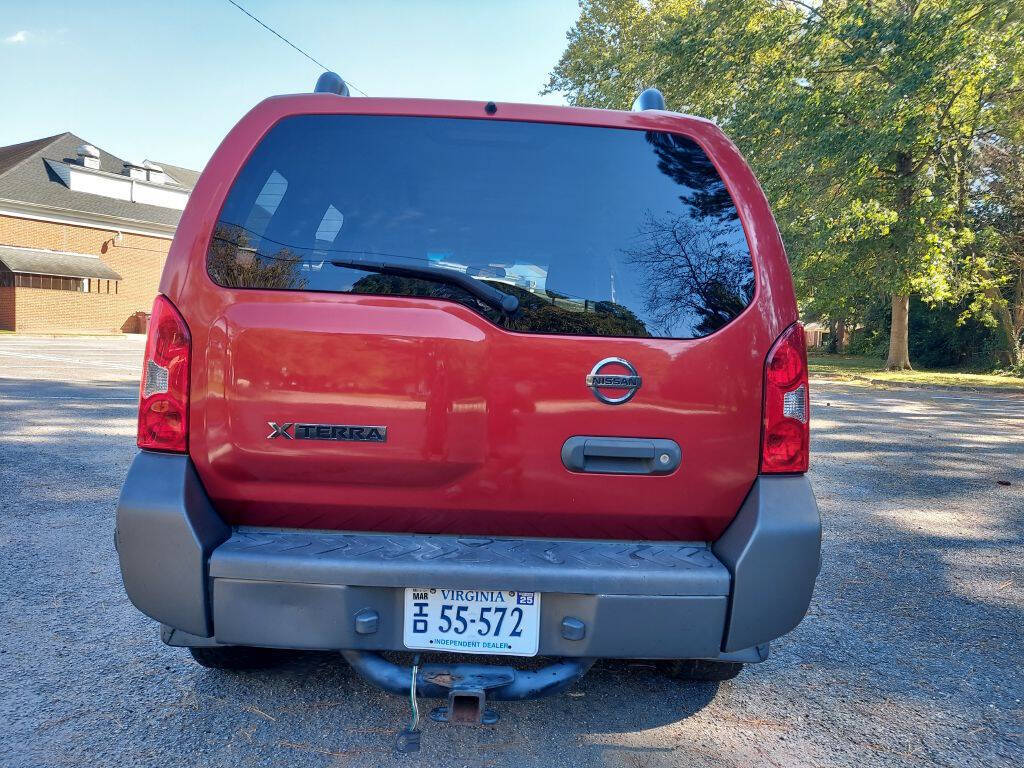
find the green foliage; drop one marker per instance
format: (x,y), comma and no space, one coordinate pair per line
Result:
(862,118)
(941,335)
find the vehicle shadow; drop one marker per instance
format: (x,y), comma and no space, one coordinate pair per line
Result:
(311,694)
(608,678)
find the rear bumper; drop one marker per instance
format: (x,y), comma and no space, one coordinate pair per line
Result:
(212,584)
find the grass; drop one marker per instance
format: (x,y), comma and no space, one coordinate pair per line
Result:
(870,370)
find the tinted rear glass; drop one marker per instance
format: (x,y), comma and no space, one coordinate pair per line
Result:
(597,231)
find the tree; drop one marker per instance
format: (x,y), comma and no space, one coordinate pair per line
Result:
(232,261)
(1000,218)
(860,118)
(690,271)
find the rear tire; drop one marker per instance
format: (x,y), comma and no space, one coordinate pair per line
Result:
(237,657)
(699,670)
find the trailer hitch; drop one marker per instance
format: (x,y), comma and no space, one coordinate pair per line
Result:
(468,686)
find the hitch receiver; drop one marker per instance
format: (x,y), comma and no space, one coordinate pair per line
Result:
(465,707)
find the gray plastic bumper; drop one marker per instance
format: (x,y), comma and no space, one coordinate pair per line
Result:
(773,551)
(210,584)
(166,530)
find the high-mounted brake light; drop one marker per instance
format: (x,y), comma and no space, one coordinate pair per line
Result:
(785,432)
(163,396)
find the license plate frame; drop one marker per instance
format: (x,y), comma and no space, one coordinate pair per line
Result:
(499,613)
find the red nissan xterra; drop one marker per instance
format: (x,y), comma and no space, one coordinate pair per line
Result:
(449,378)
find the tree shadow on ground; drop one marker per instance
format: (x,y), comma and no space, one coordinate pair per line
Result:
(910,654)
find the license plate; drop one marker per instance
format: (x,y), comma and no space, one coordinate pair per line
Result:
(472,621)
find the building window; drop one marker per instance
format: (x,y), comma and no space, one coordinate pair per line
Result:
(51,282)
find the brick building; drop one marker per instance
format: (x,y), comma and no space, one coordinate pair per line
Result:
(83,235)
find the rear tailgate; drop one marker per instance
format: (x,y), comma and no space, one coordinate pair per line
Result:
(476,418)
(425,411)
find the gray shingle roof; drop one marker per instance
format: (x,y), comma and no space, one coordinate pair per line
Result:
(15,153)
(184,176)
(36,261)
(26,178)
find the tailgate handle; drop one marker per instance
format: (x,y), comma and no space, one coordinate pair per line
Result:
(621,455)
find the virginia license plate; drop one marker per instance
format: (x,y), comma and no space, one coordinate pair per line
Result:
(472,621)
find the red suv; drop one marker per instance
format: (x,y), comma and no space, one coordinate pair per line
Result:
(501,379)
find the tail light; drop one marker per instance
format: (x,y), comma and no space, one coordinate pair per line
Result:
(785,433)
(163,398)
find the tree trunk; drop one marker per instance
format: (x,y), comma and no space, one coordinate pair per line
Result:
(1011,335)
(1011,321)
(842,337)
(899,332)
(899,335)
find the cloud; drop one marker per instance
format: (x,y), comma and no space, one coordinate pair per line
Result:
(21,36)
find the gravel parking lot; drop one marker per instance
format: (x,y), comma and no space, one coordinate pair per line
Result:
(911,653)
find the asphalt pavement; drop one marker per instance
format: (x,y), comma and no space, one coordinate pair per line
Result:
(911,653)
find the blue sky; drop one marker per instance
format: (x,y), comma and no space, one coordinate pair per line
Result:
(166,81)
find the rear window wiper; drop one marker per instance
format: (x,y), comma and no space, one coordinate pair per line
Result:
(488,294)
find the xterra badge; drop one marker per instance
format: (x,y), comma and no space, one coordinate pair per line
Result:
(344,432)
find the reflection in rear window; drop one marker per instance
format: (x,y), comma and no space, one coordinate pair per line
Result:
(597,231)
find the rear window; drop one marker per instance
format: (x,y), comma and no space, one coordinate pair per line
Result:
(597,231)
